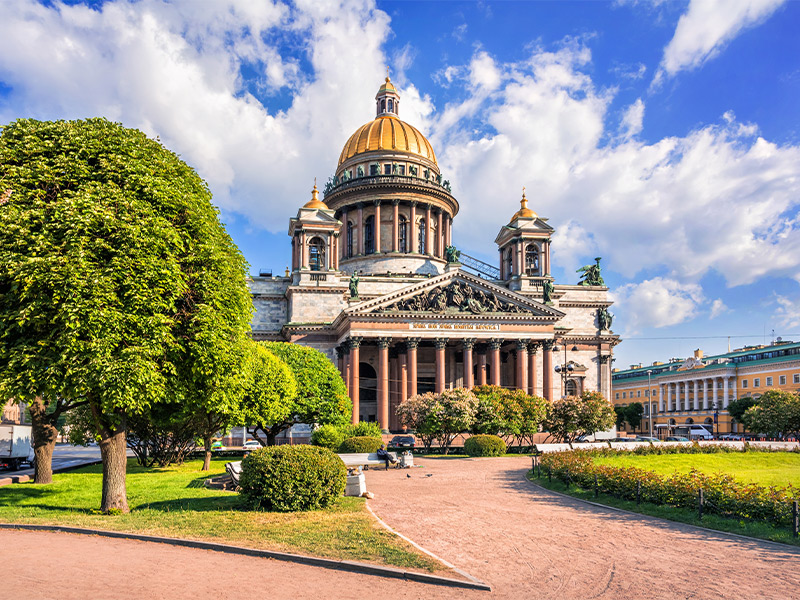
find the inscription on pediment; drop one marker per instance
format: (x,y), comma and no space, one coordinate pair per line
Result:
(457,297)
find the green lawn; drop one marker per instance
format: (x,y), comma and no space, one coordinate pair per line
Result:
(173,502)
(764,468)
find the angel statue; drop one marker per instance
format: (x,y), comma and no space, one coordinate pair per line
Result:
(604,318)
(452,254)
(591,274)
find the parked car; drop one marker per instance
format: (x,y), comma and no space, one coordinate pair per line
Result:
(623,439)
(731,437)
(677,438)
(251,445)
(215,446)
(645,438)
(403,441)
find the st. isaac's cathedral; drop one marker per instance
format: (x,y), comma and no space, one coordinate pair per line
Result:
(377,285)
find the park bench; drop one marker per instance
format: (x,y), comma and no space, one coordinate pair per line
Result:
(234,469)
(361,459)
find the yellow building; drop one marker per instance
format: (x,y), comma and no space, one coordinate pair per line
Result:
(697,390)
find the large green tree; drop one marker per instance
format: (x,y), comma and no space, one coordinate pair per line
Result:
(321,393)
(776,413)
(118,284)
(574,416)
(738,407)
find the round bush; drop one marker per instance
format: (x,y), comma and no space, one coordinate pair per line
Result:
(328,436)
(361,444)
(292,478)
(485,445)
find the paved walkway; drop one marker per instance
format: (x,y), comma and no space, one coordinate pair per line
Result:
(479,514)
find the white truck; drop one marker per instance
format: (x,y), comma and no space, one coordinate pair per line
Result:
(16,445)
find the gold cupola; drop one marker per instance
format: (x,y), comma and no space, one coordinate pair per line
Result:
(524,212)
(315,202)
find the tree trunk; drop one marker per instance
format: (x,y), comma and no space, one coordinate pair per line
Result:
(115,462)
(207,456)
(44,441)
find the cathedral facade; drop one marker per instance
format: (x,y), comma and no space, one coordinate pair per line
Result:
(377,285)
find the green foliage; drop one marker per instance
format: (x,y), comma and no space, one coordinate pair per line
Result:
(490,414)
(270,391)
(292,478)
(573,416)
(321,393)
(363,428)
(724,495)
(776,413)
(414,413)
(524,415)
(332,436)
(633,414)
(452,412)
(485,445)
(360,444)
(619,415)
(739,406)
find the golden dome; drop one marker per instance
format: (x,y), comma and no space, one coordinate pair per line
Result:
(389,133)
(524,212)
(387,86)
(315,202)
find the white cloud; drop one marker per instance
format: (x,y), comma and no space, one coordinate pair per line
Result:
(657,302)
(717,308)
(632,119)
(706,26)
(788,311)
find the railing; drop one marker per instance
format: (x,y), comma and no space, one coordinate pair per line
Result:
(330,187)
(319,277)
(478,267)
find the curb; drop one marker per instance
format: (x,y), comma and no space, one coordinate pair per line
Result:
(24,478)
(781,545)
(477,583)
(326,563)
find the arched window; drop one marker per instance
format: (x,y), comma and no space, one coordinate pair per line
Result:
(369,235)
(402,234)
(509,263)
(572,388)
(383,105)
(421,236)
(349,239)
(316,254)
(391,105)
(531,260)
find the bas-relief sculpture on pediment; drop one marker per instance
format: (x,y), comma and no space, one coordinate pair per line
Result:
(456,297)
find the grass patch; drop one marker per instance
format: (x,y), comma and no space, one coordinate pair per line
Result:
(766,469)
(754,529)
(173,502)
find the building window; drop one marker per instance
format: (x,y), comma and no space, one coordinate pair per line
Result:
(769,381)
(571,389)
(782,380)
(623,395)
(401,169)
(796,378)
(744,384)
(349,242)
(383,105)
(374,170)
(616,396)
(391,105)
(387,169)
(638,393)
(756,382)
(402,234)
(369,235)
(531,260)
(316,254)
(421,236)
(509,263)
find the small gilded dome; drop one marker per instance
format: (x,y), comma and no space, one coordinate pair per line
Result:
(315,202)
(387,86)
(524,212)
(387,133)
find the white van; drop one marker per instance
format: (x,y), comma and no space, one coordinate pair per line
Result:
(696,432)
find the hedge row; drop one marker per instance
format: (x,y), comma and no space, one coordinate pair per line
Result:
(723,494)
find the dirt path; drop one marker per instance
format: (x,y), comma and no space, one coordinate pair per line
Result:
(479,514)
(482,516)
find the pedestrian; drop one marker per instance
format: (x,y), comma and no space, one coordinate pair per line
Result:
(385,456)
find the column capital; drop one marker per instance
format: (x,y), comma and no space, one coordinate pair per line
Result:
(522,345)
(377,202)
(395,202)
(547,345)
(533,348)
(495,344)
(383,342)
(440,343)
(355,342)
(605,359)
(414,203)
(469,343)
(339,352)
(411,343)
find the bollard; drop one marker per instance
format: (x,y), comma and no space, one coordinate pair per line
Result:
(700,502)
(596,491)
(795,519)
(638,492)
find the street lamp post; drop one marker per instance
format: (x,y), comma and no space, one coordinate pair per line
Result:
(566,369)
(650,401)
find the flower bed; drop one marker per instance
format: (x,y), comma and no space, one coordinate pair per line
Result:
(722,493)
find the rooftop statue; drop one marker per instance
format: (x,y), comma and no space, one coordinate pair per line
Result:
(354,285)
(604,318)
(591,274)
(547,291)
(452,254)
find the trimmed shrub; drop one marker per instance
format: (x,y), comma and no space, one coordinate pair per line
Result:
(292,478)
(360,444)
(363,428)
(485,445)
(328,436)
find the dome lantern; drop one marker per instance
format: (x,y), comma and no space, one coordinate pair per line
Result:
(524,212)
(315,202)
(387,100)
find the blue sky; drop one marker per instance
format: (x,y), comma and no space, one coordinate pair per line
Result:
(662,136)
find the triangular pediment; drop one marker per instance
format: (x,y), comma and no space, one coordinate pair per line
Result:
(455,294)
